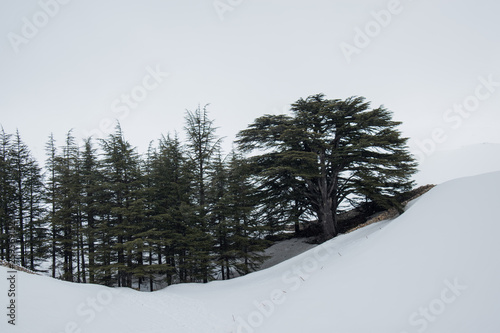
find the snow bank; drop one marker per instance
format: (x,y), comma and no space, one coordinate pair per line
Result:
(433,269)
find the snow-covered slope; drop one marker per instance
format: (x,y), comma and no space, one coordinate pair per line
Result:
(433,269)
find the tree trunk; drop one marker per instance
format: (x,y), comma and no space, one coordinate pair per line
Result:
(121,262)
(21,220)
(54,236)
(90,226)
(31,231)
(151,264)
(326,211)
(327,219)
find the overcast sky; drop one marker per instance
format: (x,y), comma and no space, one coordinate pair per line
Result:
(82,64)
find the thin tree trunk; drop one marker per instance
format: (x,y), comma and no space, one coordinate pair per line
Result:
(228,275)
(82,250)
(54,231)
(31,238)
(151,264)
(32,249)
(21,221)
(90,226)
(78,270)
(54,235)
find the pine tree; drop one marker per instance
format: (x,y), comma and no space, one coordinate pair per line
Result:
(122,178)
(203,145)
(20,163)
(68,213)
(51,199)
(234,218)
(157,193)
(37,232)
(7,197)
(91,197)
(247,231)
(219,215)
(342,152)
(173,208)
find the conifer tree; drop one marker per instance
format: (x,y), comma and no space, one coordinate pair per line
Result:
(341,151)
(203,144)
(247,232)
(37,232)
(7,197)
(91,197)
(238,231)
(172,174)
(68,212)
(219,216)
(51,199)
(20,163)
(122,178)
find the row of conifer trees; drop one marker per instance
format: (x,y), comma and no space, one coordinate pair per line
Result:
(101,213)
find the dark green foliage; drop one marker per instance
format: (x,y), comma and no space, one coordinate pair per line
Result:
(7,198)
(185,212)
(245,236)
(122,180)
(336,153)
(238,234)
(51,200)
(92,197)
(203,145)
(36,247)
(22,225)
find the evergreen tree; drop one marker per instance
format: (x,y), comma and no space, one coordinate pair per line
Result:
(67,217)
(51,200)
(7,197)
(37,232)
(122,178)
(234,216)
(152,238)
(22,229)
(203,144)
(219,216)
(91,198)
(247,232)
(185,213)
(173,208)
(20,164)
(342,152)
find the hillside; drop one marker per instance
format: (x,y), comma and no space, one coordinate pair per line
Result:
(433,269)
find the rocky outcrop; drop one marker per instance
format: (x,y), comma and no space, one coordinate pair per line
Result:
(393,212)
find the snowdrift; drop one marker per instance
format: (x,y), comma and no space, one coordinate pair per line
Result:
(433,269)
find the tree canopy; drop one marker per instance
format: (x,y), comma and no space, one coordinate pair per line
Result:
(338,152)
(101,212)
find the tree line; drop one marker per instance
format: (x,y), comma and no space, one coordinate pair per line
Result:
(99,212)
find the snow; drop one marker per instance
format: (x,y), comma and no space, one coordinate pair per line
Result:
(433,269)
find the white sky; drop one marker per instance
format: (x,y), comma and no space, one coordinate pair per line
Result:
(263,56)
